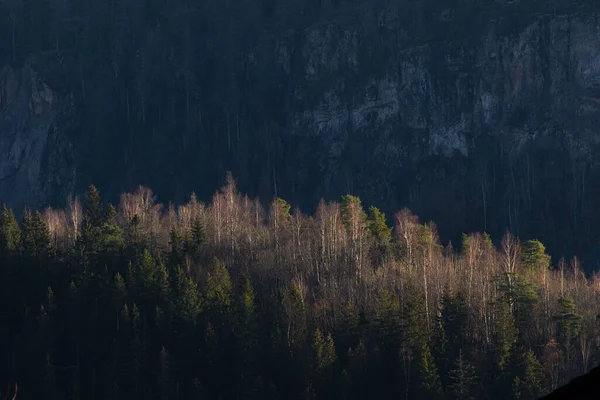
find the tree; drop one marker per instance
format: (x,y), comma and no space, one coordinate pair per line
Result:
(93,208)
(355,222)
(197,238)
(187,303)
(218,288)
(35,237)
(429,379)
(531,382)
(10,233)
(535,258)
(569,327)
(381,235)
(505,333)
(462,379)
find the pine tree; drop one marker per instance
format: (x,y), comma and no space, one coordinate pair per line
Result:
(197,238)
(10,233)
(111,236)
(324,350)
(218,288)
(532,381)
(569,326)
(94,211)
(452,328)
(381,235)
(429,379)
(535,258)
(187,303)
(247,317)
(462,379)
(176,255)
(505,333)
(35,237)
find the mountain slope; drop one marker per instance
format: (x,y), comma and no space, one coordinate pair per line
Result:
(478,115)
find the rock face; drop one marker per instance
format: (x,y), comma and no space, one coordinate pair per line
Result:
(483,121)
(496,130)
(34,165)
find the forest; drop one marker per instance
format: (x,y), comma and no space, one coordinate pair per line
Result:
(236,300)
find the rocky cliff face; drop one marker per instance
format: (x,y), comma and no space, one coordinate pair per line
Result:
(495,130)
(35,163)
(485,120)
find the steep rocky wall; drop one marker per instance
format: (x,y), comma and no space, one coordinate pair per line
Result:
(478,119)
(515,115)
(33,167)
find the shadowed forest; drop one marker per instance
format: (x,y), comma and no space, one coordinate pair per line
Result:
(232,300)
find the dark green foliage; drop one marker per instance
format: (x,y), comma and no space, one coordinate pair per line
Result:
(128,318)
(381,235)
(35,237)
(187,302)
(505,333)
(535,258)
(429,379)
(218,291)
(197,238)
(462,379)
(93,209)
(530,384)
(10,232)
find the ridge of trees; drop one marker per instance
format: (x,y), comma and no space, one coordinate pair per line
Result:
(232,300)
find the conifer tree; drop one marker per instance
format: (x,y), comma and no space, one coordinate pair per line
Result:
(381,235)
(196,238)
(532,381)
(10,232)
(462,379)
(93,208)
(569,326)
(429,380)
(187,303)
(218,288)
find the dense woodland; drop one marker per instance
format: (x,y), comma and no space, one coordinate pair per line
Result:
(232,300)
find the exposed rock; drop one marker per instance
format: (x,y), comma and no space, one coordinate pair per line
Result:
(31,144)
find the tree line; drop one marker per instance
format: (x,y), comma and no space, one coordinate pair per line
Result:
(234,300)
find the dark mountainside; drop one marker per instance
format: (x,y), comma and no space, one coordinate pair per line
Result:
(479,115)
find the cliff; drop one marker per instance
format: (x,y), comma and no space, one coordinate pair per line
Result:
(480,116)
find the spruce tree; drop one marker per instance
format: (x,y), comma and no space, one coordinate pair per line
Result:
(429,379)
(10,232)
(218,288)
(462,379)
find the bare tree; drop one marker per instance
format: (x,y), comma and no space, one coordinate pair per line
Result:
(510,251)
(74,216)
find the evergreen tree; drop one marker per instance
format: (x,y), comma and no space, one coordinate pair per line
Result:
(569,326)
(535,258)
(429,380)
(197,238)
(532,380)
(93,209)
(218,288)
(462,379)
(324,351)
(505,333)
(10,233)
(187,303)
(381,235)
(36,238)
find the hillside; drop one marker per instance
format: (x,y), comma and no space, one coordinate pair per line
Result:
(230,300)
(480,115)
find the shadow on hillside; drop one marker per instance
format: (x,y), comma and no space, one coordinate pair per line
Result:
(584,387)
